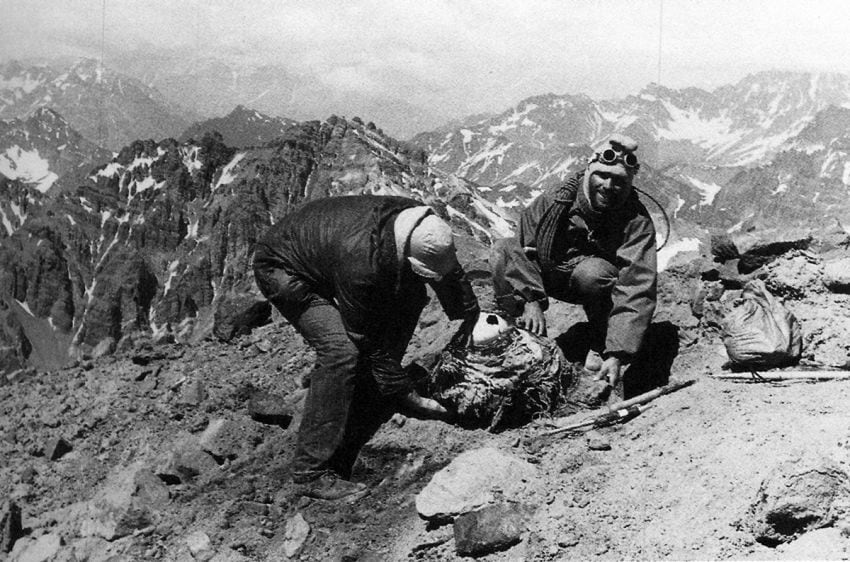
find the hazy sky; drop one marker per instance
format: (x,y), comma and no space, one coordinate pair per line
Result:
(467,54)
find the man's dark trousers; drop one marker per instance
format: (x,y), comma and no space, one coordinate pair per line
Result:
(586,280)
(343,407)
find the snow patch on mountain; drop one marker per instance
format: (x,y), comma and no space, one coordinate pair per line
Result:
(493,151)
(690,126)
(667,253)
(707,189)
(28,167)
(518,118)
(227,174)
(10,228)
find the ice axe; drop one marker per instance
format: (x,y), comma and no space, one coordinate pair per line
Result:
(615,413)
(772,376)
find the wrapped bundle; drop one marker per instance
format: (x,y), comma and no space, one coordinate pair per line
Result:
(505,377)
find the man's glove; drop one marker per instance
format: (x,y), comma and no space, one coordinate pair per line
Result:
(415,406)
(463,336)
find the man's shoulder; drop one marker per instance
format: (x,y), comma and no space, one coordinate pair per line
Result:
(635,212)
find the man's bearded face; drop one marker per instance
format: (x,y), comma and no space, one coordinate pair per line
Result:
(609,189)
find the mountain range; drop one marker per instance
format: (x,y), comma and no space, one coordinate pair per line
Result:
(107,107)
(155,235)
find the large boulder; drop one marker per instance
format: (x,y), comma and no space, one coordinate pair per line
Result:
(129,500)
(40,549)
(820,544)
(230,438)
(798,497)
(238,315)
(474,479)
(836,275)
(795,275)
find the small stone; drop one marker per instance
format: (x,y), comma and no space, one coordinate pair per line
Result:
(269,408)
(229,439)
(296,532)
(568,540)
(56,448)
(255,508)
(10,526)
(598,444)
(398,420)
(193,393)
(198,542)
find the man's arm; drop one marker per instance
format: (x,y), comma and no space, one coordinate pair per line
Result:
(635,293)
(520,271)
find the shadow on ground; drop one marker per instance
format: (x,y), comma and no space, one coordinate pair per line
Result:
(651,367)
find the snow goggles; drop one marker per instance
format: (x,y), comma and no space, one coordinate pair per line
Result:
(610,156)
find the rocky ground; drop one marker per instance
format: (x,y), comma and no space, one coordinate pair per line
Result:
(179,452)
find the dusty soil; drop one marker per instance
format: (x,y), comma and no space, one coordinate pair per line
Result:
(676,483)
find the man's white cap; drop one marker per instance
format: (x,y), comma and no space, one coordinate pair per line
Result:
(431,249)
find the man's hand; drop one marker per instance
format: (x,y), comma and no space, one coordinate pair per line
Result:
(611,371)
(532,319)
(416,406)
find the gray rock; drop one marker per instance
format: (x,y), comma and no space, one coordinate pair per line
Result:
(295,534)
(474,479)
(105,347)
(489,529)
(239,314)
(821,544)
(41,549)
(192,393)
(598,444)
(199,544)
(269,408)
(229,439)
(56,448)
(797,497)
(10,525)
(229,556)
(19,375)
(129,500)
(185,461)
(836,275)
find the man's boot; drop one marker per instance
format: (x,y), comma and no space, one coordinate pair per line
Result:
(331,487)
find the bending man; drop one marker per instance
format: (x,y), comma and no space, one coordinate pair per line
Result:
(349,274)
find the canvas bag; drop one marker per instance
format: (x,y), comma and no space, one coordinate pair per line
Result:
(760,331)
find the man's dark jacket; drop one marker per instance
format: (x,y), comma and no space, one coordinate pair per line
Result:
(344,250)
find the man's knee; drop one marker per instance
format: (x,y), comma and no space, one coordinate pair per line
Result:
(593,277)
(340,355)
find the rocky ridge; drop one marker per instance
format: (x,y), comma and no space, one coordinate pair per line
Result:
(181,452)
(159,239)
(241,128)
